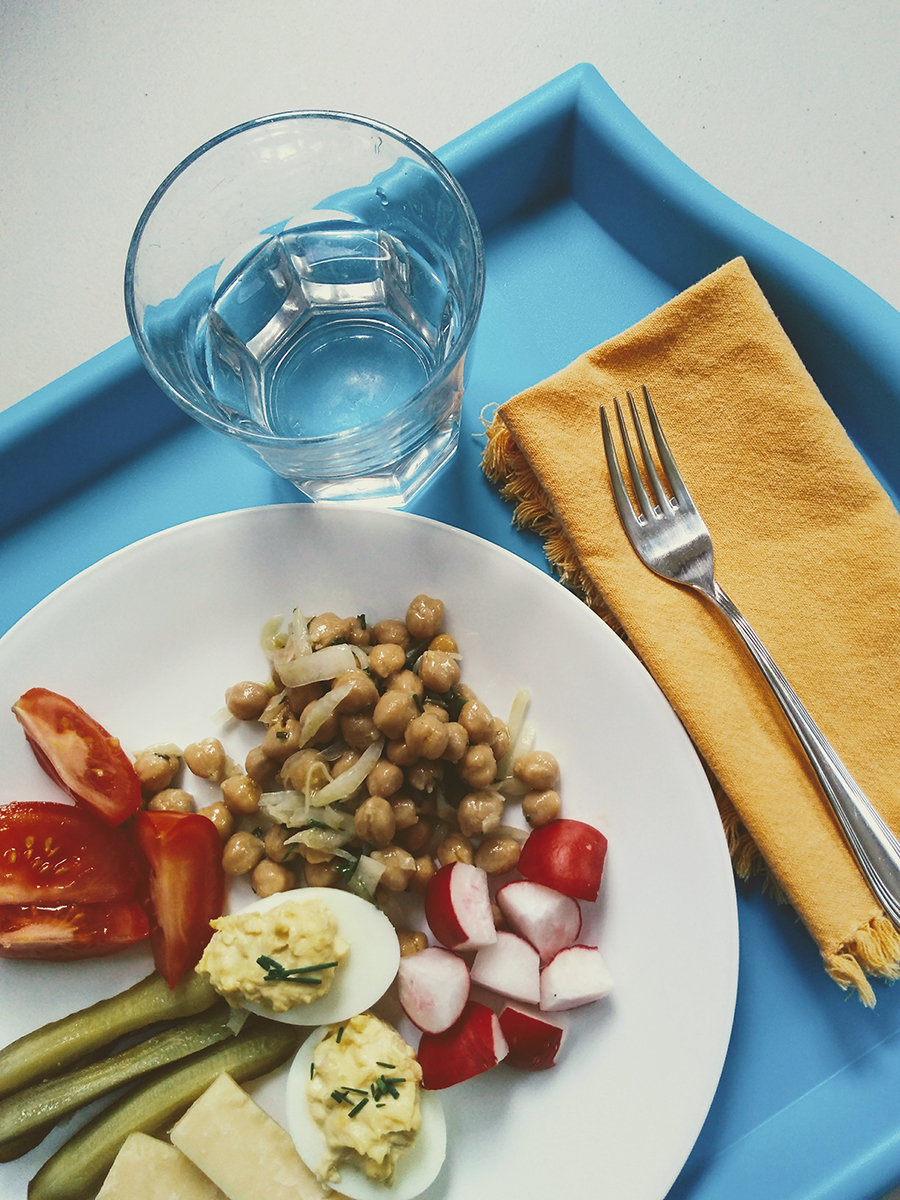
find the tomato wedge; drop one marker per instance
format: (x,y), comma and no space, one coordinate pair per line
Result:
(79,755)
(567,856)
(60,854)
(187,886)
(68,931)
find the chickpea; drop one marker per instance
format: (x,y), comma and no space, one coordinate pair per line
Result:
(241,794)
(438,670)
(297,770)
(399,753)
(221,817)
(399,866)
(500,743)
(260,767)
(437,711)
(444,641)
(423,775)
(457,742)
(386,659)
(405,812)
(455,847)
(406,681)
(540,808)
(306,693)
(424,873)
(478,765)
(374,823)
(282,737)
(393,713)
(247,700)
(391,631)
(497,854)
(323,874)
(242,853)
(358,633)
(206,759)
(326,732)
(411,942)
(274,842)
(269,877)
(384,779)
(155,769)
(538,769)
(426,736)
(415,838)
(363,693)
(475,717)
(425,616)
(171,800)
(326,629)
(359,730)
(480,812)
(344,763)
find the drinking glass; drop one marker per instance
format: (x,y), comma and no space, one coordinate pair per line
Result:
(308,284)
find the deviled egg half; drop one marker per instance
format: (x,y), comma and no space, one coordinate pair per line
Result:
(308,956)
(357,1113)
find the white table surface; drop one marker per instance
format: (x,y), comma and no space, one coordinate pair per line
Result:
(791,107)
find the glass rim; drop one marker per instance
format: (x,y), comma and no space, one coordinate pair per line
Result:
(260,437)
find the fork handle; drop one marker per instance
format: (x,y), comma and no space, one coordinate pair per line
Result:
(873,844)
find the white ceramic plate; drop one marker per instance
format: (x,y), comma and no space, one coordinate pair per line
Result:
(147,641)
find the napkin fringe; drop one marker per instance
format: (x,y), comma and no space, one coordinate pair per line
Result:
(875,948)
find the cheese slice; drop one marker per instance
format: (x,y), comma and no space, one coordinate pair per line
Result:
(239,1146)
(148,1169)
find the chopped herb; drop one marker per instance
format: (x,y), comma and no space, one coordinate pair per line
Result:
(379,1105)
(277,973)
(418,703)
(362,621)
(358,1091)
(281,733)
(312,1070)
(390,1066)
(340,1034)
(345,867)
(314,824)
(415,652)
(359,1107)
(340,1097)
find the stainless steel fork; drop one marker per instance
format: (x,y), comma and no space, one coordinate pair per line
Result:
(671,538)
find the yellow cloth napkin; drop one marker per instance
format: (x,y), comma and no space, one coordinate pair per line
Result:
(807,545)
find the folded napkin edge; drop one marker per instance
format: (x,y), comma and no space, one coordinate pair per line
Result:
(874,947)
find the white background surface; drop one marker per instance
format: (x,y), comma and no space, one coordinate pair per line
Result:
(791,107)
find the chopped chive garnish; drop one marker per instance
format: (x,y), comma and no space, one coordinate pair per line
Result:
(314,824)
(312,1070)
(340,1097)
(379,1105)
(390,1066)
(359,1107)
(277,973)
(358,1091)
(340,1034)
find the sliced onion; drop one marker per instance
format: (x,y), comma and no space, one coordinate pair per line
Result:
(364,879)
(268,635)
(316,666)
(347,783)
(515,728)
(327,840)
(320,710)
(335,819)
(288,808)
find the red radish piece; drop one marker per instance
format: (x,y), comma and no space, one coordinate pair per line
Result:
(545,917)
(533,1043)
(511,967)
(577,975)
(565,855)
(471,1046)
(458,907)
(434,986)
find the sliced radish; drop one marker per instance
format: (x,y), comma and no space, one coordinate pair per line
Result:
(458,907)
(565,855)
(547,918)
(474,1044)
(533,1043)
(577,975)
(434,986)
(511,966)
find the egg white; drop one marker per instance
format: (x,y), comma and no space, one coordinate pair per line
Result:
(417,1167)
(364,976)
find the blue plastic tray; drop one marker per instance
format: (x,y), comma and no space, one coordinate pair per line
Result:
(590,224)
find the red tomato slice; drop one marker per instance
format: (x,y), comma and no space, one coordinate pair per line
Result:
(567,856)
(79,755)
(187,886)
(60,854)
(67,931)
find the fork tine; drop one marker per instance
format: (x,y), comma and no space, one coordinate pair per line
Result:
(645,504)
(662,498)
(627,515)
(673,475)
